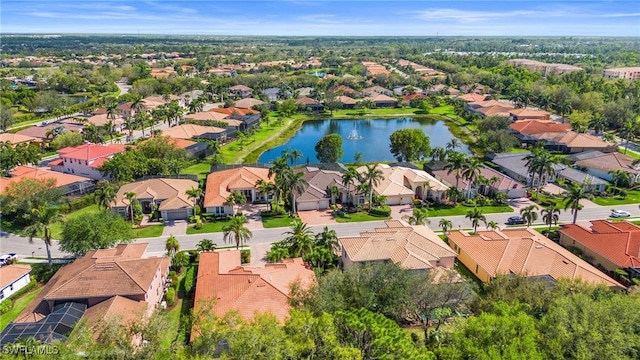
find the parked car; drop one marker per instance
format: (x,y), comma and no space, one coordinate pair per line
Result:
(619,214)
(516,220)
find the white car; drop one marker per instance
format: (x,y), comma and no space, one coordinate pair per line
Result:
(619,214)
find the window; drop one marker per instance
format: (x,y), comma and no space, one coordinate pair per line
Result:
(11,287)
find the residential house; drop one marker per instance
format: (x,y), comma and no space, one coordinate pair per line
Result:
(345,90)
(117,123)
(472,97)
(346,102)
(628,73)
(514,165)
(402,184)
(241,91)
(414,247)
(12,279)
(304,92)
(273,94)
(590,182)
(544,68)
(234,111)
(122,275)
(125,110)
(206,116)
(373,69)
(43,133)
(407,90)
(496,182)
(169,195)
(248,103)
(383,101)
(608,245)
(601,164)
(521,251)
(220,184)
(309,104)
(488,103)
(230,286)
(15,139)
(85,160)
(376,90)
(71,184)
(523,128)
(317,196)
(192,131)
(162,72)
(414,99)
(572,142)
(495,110)
(528,114)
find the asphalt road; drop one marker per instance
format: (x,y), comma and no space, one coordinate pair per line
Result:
(10,243)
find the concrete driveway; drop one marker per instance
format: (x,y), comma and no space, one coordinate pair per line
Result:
(399,211)
(317,217)
(252,212)
(175,227)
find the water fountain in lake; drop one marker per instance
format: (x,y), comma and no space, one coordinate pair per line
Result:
(354,134)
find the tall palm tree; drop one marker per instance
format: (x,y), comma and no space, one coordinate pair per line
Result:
(130,124)
(550,215)
(471,171)
(572,197)
(453,145)
(529,214)
(278,168)
(476,216)
(438,153)
(236,198)
(628,129)
(265,188)
(172,245)
(349,179)
(142,119)
(137,105)
(40,220)
(445,225)
(328,239)
(205,245)
(372,176)
(131,197)
(420,216)
(294,155)
(194,193)
(455,164)
(105,196)
(541,162)
(493,225)
(236,228)
(620,178)
(300,239)
(296,185)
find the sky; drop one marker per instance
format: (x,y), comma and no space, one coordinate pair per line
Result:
(324,18)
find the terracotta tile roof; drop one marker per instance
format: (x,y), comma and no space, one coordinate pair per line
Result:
(207,115)
(495,110)
(87,152)
(23,172)
(240,88)
(248,103)
(221,183)
(104,119)
(412,247)
(307,101)
(525,251)
(488,103)
(539,126)
(343,89)
(15,139)
(610,162)
(530,113)
(10,273)
(617,241)
(381,98)
(248,290)
(346,100)
(394,180)
(409,98)
(189,131)
(472,97)
(504,182)
(573,139)
(233,111)
(172,192)
(319,181)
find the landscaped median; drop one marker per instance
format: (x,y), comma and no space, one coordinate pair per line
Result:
(375,214)
(449,210)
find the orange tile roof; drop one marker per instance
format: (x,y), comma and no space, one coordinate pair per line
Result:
(116,308)
(172,192)
(617,241)
(11,273)
(307,101)
(221,183)
(233,111)
(411,97)
(248,103)
(472,97)
(573,139)
(207,115)
(382,98)
(530,113)
(539,126)
(495,110)
(188,131)
(610,162)
(15,139)
(23,172)
(248,290)
(87,152)
(525,251)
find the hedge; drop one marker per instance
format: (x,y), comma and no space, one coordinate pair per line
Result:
(170,296)
(382,211)
(245,256)
(190,280)
(78,204)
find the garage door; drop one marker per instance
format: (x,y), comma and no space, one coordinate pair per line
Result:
(393,200)
(177,215)
(307,205)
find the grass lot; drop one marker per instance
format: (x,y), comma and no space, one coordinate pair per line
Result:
(210,227)
(148,231)
(375,112)
(56,229)
(276,222)
(629,153)
(359,217)
(462,210)
(200,169)
(633,197)
(18,305)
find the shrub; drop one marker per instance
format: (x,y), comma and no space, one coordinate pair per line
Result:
(5,306)
(417,203)
(78,204)
(190,280)
(381,211)
(170,296)
(245,256)
(198,225)
(194,218)
(207,216)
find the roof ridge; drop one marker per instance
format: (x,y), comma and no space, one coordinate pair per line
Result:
(58,286)
(129,275)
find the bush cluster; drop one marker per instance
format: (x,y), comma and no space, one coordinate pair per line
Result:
(381,211)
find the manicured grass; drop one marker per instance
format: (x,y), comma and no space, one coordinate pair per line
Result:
(276,222)
(200,169)
(374,112)
(148,231)
(629,153)
(462,210)
(173,324)
(56,229)
(633,197)
(359,217)
(215,226)
(18,305)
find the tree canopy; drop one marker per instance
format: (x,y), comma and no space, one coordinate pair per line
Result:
(329,148)
(409,144)
(99,230)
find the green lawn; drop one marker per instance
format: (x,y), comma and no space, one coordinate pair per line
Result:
(148,231)
(173,324)
(373,112)
(200,169)
(462,210)
(210,227)
(629,153)
(359,217)
(56,229)
(276,222)
(633,197)
(18,305)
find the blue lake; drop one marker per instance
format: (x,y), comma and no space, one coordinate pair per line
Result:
(371,137)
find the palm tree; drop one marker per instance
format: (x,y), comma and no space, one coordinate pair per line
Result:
(300,239)
(131,197)
(241,234)
(573,196)
(620,178)
(205,245)
(334,193)
(455,164)
(296,184)
(277,170)
(328,239)
(195,194)
(372,176)
(104,196)
(493,225)
(349,179)
(142,119)
(541,162)
(476,216)
(294,155)
(598,123)
(265,188)
(445,225)
(628,129)
(438,153)
(236,198)
(453,144)
(137,105)
(529,214)
(40,220)
(420,217)
(130,124)
(550,215)
(172,245)
(471,171)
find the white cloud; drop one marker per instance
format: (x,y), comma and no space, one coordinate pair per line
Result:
(469,15)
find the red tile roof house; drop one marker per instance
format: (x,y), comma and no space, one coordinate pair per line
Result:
(12,279)
(220,184)
(411,247)
(383,101)
(71,184)
(85,160)
(170,195)
(241,91)
(524,114)
(346,102)
(309,104)
(522,251)
(513,188)
(230,286)
(109,283)
(609,245)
